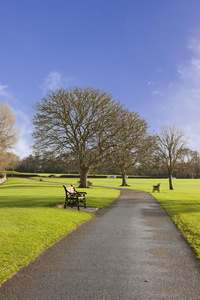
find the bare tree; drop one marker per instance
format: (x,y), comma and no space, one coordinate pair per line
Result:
(150,163)
(129,142)
(171,144)
(189,164)
(8,135)
(8,131)
(9,160)
(79,121)
(194,164)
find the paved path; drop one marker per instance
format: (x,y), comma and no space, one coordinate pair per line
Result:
(129,250)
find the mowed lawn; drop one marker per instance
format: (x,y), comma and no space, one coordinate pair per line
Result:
(29,222)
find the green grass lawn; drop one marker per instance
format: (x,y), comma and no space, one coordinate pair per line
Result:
(183,206)
(30,223)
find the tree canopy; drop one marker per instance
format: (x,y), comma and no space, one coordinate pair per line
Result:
(90,129)
(129,143)
(8,136)
(79,121)
(8,131)
(170,146)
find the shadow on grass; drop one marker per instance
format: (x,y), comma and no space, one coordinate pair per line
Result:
(31,196)
(178,207)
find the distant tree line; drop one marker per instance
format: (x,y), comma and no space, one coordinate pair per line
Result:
(187,167)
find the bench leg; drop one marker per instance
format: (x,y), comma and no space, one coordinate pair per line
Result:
(65,205)
(78,205)
(85,204)
(158,190)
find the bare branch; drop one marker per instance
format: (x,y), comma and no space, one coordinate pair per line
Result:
(82,120)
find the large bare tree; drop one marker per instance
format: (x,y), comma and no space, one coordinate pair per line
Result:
(149,162)
(9,160)
(8,135)
(79,121)
(170,145)
(8,131)
(129,143)
(194,165)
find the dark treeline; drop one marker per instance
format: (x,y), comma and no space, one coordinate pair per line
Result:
(47,162)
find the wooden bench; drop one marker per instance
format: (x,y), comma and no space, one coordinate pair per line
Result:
(74,198)
(156,187)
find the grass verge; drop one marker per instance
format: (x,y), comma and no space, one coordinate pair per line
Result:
(30,223)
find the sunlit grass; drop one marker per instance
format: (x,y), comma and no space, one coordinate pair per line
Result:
(183,206)
(30,222)
(25,232)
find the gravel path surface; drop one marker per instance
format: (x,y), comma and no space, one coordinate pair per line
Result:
(129,250)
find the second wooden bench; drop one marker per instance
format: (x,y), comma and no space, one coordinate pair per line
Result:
(156,187)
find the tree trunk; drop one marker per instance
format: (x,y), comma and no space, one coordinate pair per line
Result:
(170,182)
(124,183)
(83,177)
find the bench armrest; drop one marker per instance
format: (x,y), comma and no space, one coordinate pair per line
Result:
(78,193)
(81,193)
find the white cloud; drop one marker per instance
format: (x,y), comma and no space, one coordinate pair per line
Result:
(55,80)
(23,122)
(25,142)
(52,82)
(194,45)
(3,87)
(156,92)
(22,148)
(160,70)
(180,101)
(5,94)
(149,83)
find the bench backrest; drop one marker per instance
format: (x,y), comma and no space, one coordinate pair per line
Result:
(156,186)
(69,190)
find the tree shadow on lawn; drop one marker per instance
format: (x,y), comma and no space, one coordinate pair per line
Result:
(178,207)
(31,196)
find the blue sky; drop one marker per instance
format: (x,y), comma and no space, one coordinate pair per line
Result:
(144,52)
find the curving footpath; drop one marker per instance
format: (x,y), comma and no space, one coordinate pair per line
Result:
(129,250)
